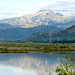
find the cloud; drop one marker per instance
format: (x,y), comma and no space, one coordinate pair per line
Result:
(4,4)
(14,5)
(22,0)
(17,13)
(20,8)
(63,6)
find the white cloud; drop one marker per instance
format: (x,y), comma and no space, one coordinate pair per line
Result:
(43,5)
(15,5)
(1,4)
(17,13)
(22,8)
(61,6)
(9,10)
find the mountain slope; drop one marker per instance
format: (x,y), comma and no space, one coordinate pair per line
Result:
(42,17)
(6,26)
(48,36)
(21,33)
(58,14)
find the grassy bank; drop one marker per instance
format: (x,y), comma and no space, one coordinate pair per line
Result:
(40,47)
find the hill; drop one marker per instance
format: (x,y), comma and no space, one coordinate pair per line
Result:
(67,35)
(21,33)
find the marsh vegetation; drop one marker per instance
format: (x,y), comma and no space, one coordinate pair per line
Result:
(37,47)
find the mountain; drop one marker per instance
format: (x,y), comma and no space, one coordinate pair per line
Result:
(58,14)
(6,26)
(48,36)
(21,33)
(42,17)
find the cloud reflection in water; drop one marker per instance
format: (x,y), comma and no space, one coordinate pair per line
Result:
(29,64)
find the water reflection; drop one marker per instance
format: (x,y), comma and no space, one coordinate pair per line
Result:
(9,70)
(30,64)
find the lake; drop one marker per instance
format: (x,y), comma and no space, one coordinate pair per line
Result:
(34,63)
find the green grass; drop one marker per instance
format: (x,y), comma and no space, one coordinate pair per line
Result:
(37,47)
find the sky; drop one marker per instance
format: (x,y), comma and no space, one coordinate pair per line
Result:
(15,8)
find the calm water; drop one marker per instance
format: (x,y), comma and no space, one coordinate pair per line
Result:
(31,64)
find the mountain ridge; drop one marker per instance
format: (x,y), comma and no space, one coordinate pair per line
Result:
(42,17)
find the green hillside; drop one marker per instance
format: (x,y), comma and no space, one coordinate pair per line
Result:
(67,35)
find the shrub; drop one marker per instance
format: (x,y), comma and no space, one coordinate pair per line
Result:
(67,67)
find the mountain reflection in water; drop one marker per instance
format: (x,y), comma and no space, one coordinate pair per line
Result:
(30,64)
